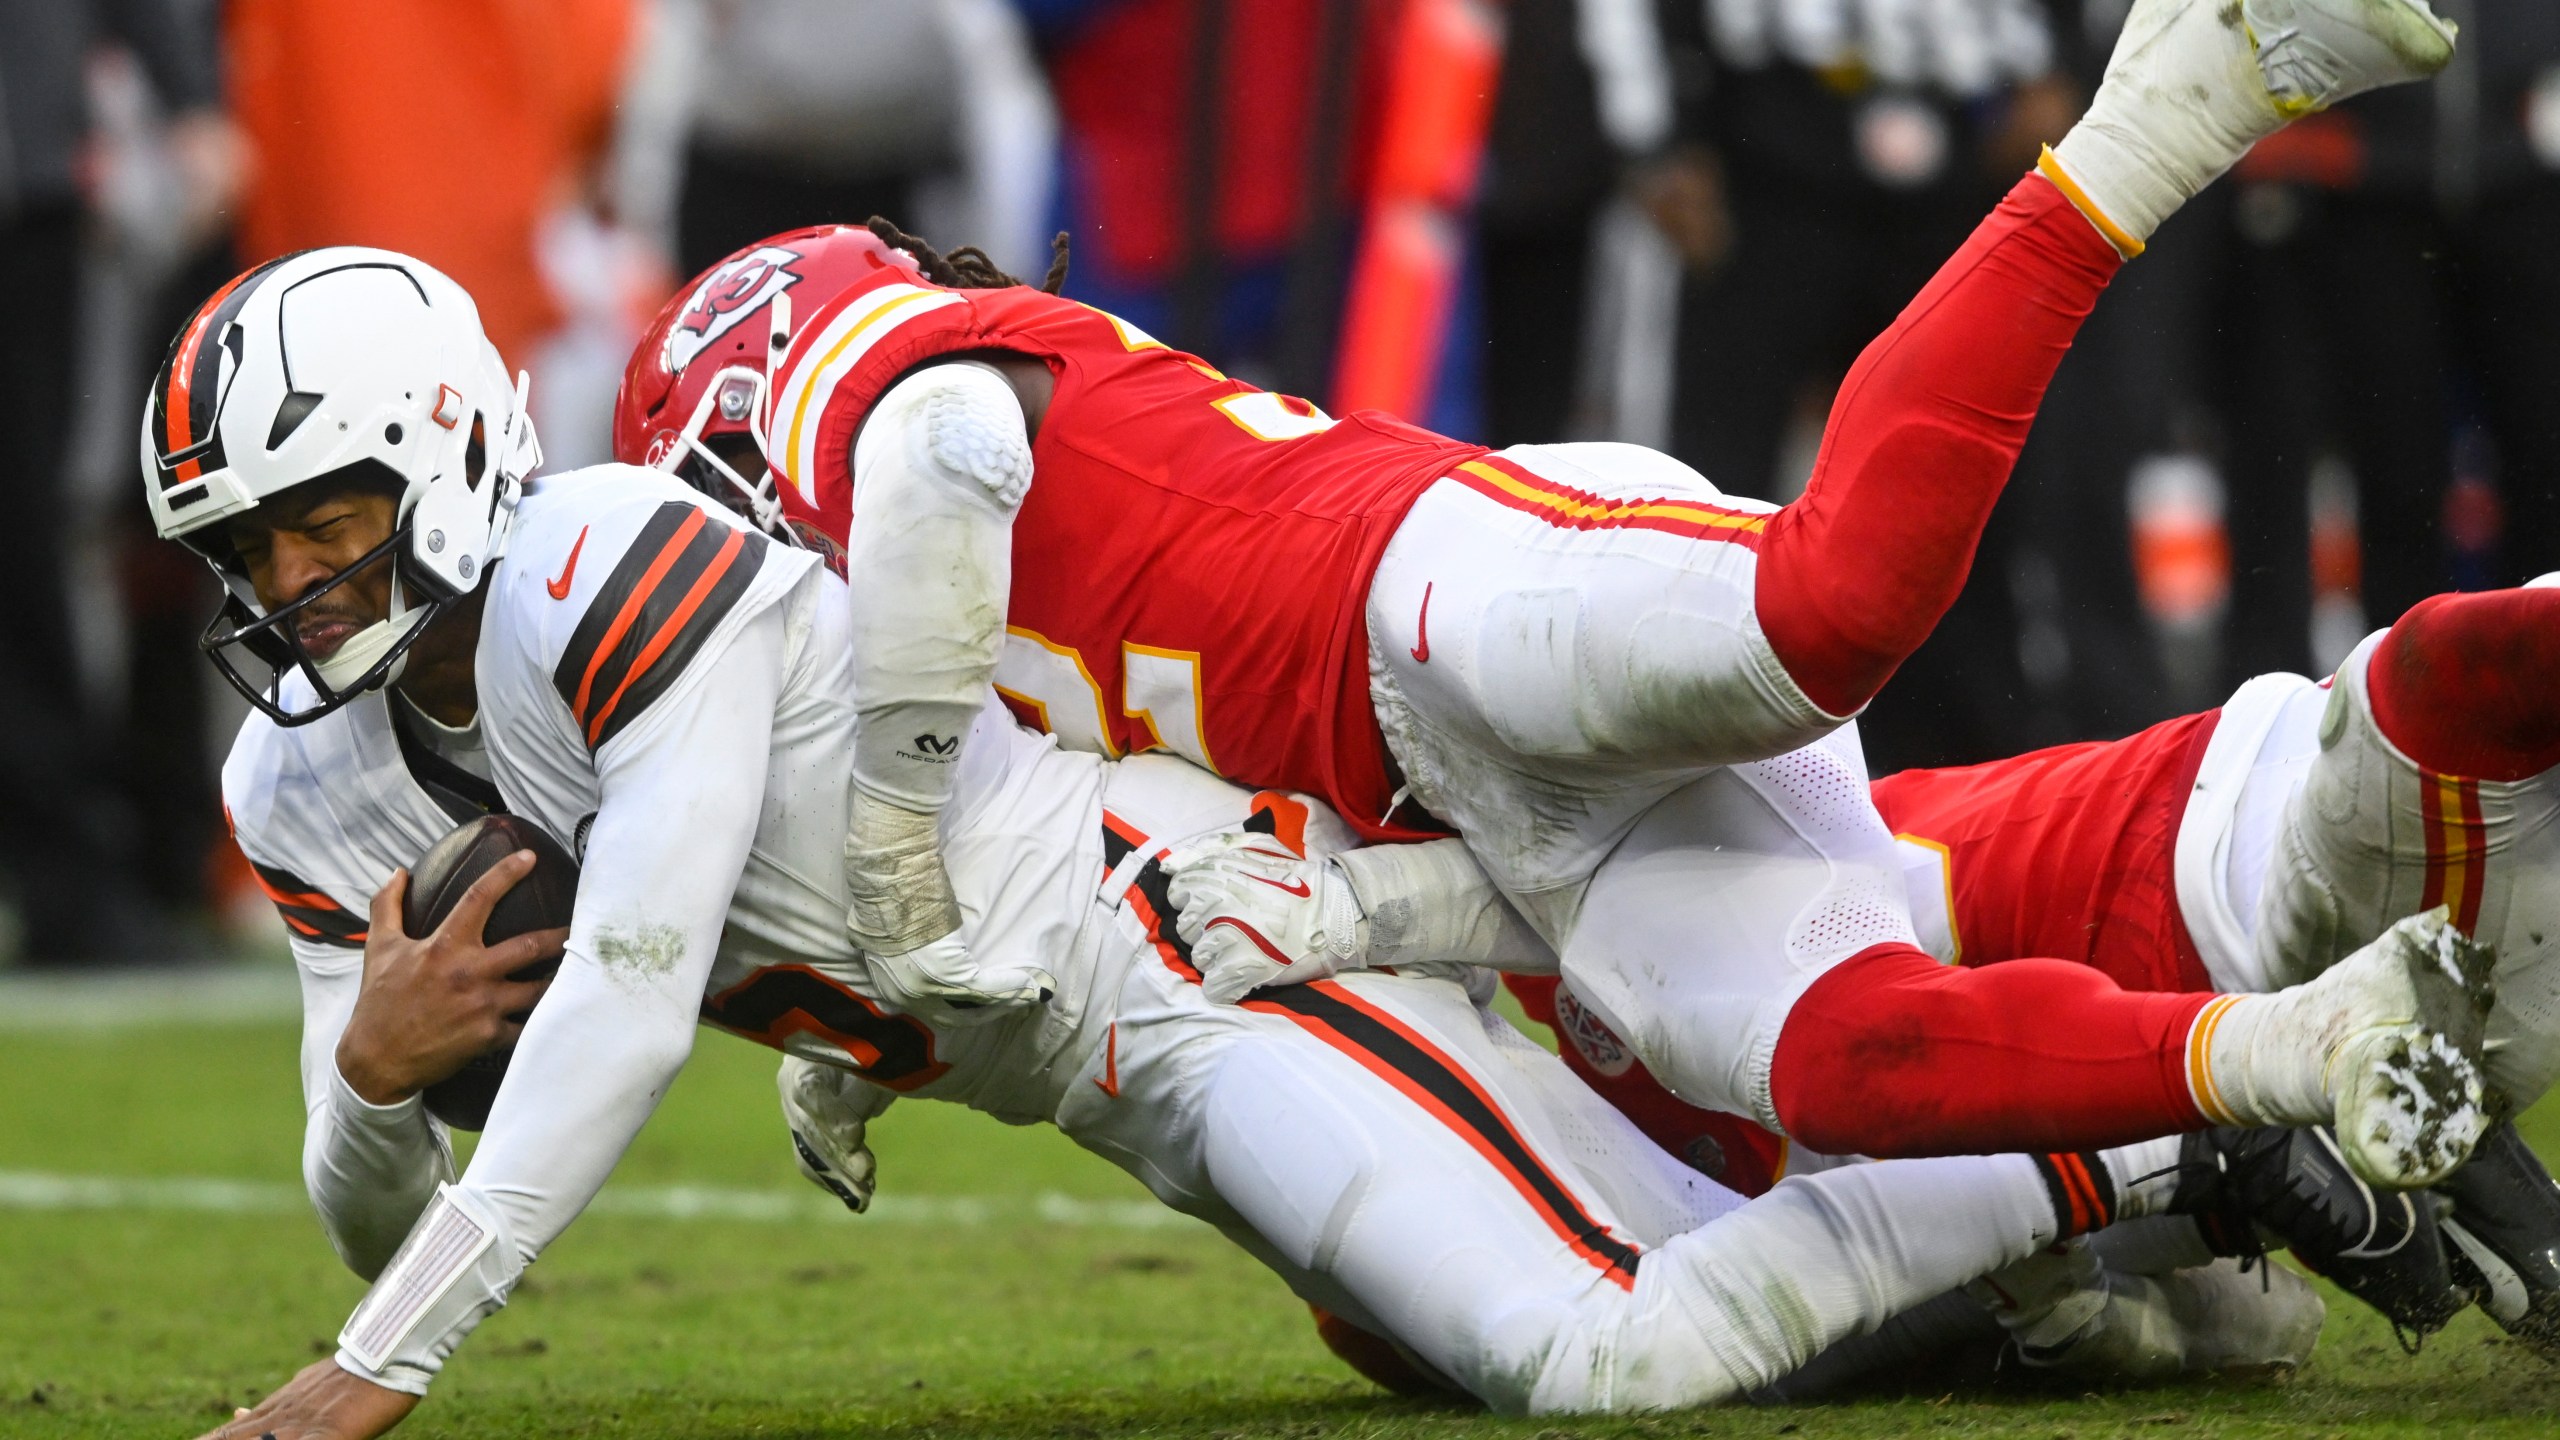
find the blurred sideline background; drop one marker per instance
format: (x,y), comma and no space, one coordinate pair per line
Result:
(2328,390)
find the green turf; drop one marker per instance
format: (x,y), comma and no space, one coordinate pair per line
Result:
(120,1322)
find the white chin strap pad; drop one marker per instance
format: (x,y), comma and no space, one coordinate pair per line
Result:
(365,649)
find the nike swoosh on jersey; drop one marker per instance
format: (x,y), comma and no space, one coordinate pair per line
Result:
(1421,651)
(560,588)
(1294,887)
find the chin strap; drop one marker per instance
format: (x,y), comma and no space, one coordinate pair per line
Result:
(365,649)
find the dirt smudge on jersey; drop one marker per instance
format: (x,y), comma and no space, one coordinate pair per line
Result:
(639,953)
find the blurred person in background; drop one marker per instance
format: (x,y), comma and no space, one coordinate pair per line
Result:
(1591,208)
(932,113)
(1208,153)
(2397,255)
(1852,143)
(445,129)
(70,850)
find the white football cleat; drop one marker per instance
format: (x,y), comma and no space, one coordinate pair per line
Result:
(2069,1315)
(2210,1320)
(2194,83)
(2385,1046)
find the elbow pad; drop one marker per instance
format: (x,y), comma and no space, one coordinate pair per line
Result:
(940,469)
(1430,902)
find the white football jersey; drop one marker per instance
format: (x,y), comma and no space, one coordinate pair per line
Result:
(325,812)
(591,664)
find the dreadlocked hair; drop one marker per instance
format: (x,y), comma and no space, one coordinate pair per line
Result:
(967,268)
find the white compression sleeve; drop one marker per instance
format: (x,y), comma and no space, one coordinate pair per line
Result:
(1431,902)
(943,462)
(369,1169)
(682,790)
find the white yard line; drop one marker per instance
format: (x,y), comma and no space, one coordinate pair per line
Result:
(36,1190)
(123,1000)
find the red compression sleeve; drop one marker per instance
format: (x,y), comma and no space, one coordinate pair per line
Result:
(1855,573)
(2470,684)
(1892,1053)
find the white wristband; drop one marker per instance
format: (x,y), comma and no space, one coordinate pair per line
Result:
(454,1270)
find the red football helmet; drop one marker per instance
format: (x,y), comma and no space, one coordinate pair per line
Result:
(694,398)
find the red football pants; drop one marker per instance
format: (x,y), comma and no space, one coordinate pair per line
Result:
(1855,573)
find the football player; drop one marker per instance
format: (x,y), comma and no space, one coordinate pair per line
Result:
(2237,849)
(659,685)
(1568,654)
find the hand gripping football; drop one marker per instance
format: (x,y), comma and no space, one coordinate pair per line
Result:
(541,900)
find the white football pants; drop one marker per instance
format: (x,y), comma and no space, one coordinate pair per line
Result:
(1560,636)
(1403,1159)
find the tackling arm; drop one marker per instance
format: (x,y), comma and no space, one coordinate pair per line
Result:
(1256,914)
(681,789)
(942,465)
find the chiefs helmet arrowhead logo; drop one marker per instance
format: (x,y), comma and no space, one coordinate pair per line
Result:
(735,289)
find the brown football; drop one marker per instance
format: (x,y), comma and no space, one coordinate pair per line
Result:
(541,900)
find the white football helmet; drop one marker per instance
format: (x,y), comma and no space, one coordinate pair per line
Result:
(344,363)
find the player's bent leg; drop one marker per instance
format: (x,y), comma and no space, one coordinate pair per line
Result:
(1365,1140)
(2384,826)
(1749,941)
(1855,573)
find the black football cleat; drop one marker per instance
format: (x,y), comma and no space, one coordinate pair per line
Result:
(2384,1248)
(2503,1237)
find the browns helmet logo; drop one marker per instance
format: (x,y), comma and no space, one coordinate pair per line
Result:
(735,289)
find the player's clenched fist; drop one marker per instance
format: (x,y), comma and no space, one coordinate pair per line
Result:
(1254,914)
(432,1003)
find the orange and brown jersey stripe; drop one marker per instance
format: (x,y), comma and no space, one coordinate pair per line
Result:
(675,585)
(1563,506)
(1394,1052)
(307,912)
(2457,846)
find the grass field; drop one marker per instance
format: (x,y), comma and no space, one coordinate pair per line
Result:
(157,1267)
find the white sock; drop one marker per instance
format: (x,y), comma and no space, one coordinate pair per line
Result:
(2145,1175)
(2264,1059)
(2181,103)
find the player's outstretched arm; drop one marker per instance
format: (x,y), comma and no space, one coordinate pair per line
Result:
(1257,911)
(943,462)
(374,1038)
(681,788)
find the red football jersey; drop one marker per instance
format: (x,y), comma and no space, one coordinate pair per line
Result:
(2068,853)
(1192,563)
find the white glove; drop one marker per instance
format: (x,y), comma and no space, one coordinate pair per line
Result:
(1254,914)
(828,1108)
(940,982)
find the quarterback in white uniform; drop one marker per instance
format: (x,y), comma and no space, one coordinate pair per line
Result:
(668,691)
